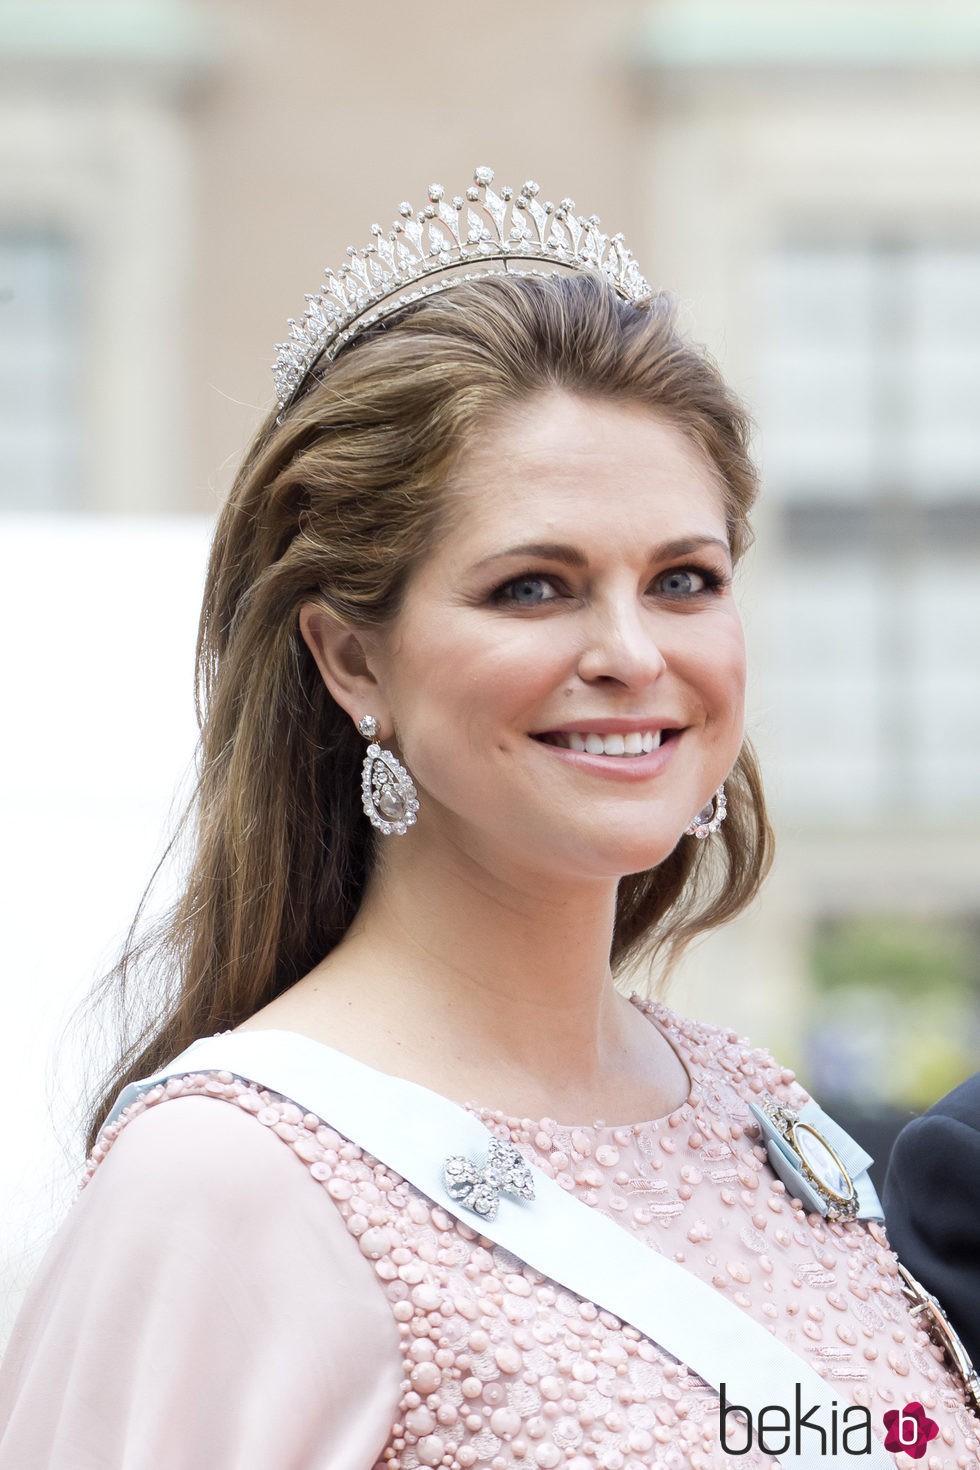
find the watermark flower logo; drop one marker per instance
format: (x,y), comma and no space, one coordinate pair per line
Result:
(910,1430)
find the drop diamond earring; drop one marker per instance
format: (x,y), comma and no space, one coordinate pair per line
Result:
(388,792)
(710,817)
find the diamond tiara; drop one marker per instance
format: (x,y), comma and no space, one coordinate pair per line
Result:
(487,233)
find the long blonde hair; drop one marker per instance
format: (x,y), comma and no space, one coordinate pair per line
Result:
(338,503)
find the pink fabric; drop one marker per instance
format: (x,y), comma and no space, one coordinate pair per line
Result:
(238,1287)
(202,1307)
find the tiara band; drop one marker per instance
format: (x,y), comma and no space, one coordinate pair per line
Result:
(486,233)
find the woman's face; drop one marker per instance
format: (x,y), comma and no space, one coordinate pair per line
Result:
(565,677)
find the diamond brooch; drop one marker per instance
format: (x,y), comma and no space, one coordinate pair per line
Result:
(479,1187)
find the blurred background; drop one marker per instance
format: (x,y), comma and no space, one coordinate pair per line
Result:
(175,174)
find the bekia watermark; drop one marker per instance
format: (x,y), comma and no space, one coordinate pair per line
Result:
(778,1430)
(910,1429)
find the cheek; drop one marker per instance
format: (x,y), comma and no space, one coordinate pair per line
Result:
(503,671)
(453,692)
(723,670)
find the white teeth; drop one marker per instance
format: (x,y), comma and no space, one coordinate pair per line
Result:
(635,743)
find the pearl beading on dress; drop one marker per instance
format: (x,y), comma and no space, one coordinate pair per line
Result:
(504,1368)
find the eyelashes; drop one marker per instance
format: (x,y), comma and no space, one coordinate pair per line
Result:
(519,591)
(711,579)
(525,589)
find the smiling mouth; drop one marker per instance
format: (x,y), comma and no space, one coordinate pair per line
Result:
(636,742)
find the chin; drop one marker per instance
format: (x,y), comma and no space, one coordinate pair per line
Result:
(621,860)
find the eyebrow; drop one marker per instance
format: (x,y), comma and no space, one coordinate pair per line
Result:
(572,557)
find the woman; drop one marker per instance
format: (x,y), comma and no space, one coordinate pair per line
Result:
(491,530)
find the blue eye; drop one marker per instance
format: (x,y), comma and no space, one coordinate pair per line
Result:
(684,582)
(525,591)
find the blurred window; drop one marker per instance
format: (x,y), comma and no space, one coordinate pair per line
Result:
(871,443)
(40,331)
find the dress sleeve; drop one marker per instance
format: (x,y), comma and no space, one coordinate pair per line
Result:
(202,1306)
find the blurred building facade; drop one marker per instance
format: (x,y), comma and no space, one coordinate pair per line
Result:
(814,191)
(804,173)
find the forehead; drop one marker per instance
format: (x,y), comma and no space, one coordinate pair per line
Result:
(586,467)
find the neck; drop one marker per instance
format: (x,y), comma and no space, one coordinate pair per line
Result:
(516,964)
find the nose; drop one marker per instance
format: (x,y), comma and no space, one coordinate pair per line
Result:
(620,644)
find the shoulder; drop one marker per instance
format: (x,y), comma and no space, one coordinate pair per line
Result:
(729,1060)
(961,1105)
(196,1160)
(213,1280)
(220,1165)
(944,1140)
(204,1191)
(194,1144)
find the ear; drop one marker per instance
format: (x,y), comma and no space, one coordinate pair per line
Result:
(345,658)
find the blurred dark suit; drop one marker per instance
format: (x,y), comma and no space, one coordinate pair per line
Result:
(932,1206)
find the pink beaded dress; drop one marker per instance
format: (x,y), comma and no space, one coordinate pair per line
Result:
(240,1288)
